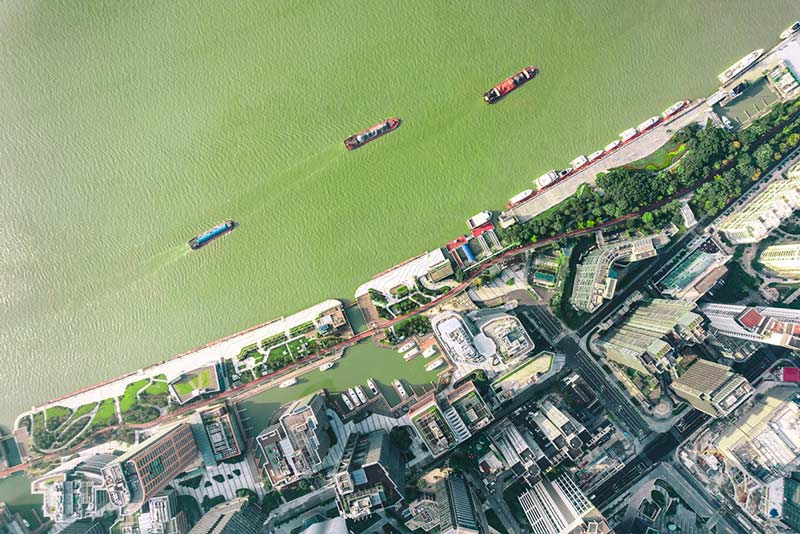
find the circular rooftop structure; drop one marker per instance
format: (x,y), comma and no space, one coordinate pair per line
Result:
(485,345)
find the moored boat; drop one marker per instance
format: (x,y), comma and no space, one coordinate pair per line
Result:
(791,30)
(400,389)
(354,397)
(649,123)
(546,179)
(406,346)
(518,199)
(207,237)
(594,155)
(288,383)
(364,137)
(434,364)
(740,66)
(326,366)
(578,162)
(410,354)
(509,84)
(673,109)
(629,134)
(479,219)
(360,392)
(347,401)
(612,145)
(373,387)
(430,351)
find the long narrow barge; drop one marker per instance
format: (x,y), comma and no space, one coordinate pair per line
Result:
(207,237)
(509,84)
(372,133)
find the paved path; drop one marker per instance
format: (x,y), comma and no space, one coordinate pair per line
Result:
(643,146)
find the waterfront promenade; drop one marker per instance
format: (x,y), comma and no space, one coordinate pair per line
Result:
(642,146)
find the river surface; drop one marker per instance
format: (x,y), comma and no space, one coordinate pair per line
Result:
(128,127)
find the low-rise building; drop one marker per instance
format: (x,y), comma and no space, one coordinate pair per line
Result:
(294,446)
(594,279)
(693,276)
(764,212)
(783,260)
(74,490)
(712,388)
(370,475)
(760,324)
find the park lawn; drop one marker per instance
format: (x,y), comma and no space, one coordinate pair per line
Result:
(129,398)
(156,389)
(106,414)
(85,409)
(662,158)
(200,380)
(301,347)
(58,412)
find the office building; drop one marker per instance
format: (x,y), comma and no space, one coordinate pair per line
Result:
(295,445)
(370,475)
(594,277)
(74,490)
(764,443)
(559,507)
(237,516)
(162,515)
(765,211)
(468,403)
(502,335)
(790,510)
(644,339)
(712,388)
(693,276)
(430,423)
(135,477)
(783,260)
(12,523)
(456,337)
(217,434)
(459,511)
(85,526)
(773,326)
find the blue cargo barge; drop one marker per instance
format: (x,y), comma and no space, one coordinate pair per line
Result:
(207,237)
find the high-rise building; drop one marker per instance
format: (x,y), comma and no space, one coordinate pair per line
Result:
(765,211)
(296,444)
(559,507)
(640,342)
(12,523)
(433,427)
(217,434)
(370,475)
(783,260)
(773,326)
(162,515)
(238,516)
(136,476)
(712,388)
(594,279)
(74,490)
(764,443)
(85,526)
(459,512)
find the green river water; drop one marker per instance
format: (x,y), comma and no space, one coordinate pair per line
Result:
(128,127)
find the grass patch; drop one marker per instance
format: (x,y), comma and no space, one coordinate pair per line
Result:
(156,389)
(129,398)
(85,409)
(106,414)
(56,415)
(187,385)
(192,483)
(662,158)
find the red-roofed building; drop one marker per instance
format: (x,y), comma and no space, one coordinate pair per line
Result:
(750,319)
(790,374)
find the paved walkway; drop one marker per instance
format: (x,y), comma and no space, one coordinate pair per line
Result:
(643,146)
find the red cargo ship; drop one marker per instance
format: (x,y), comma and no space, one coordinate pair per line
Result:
(362,138)
(509,84)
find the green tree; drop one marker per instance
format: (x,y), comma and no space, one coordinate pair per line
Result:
(763,156)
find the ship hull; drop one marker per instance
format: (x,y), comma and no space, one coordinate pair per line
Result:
(215,233)
(362,138)
(510,84)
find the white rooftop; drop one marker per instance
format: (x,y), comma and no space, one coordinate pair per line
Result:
(403,274)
